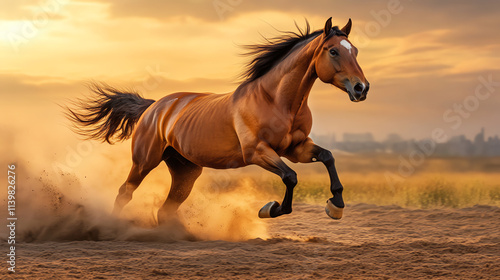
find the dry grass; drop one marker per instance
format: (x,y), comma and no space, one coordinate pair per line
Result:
(427,190)
(438,182)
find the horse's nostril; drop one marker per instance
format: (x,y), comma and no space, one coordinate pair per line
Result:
(359,88)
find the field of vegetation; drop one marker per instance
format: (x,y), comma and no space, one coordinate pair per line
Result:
(435,183)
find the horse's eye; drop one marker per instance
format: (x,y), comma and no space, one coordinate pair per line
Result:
(333,52)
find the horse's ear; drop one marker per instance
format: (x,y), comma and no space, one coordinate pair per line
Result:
(328,26)
(347,28)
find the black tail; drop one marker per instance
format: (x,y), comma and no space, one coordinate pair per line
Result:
(109,115)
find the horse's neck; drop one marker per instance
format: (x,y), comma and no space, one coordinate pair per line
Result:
(290,82)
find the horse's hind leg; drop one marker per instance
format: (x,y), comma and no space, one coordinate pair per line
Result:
(146,155)
(134,178)
(184,174)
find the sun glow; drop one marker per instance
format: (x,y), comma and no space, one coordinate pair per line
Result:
(12,29)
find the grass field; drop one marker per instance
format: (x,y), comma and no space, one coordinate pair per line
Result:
(437,182)
(423,191)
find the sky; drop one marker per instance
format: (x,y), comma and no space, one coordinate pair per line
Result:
(431,64)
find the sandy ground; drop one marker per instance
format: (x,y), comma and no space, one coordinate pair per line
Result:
(370,242)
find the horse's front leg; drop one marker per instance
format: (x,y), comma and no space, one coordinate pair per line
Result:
(307,152)
(267,158)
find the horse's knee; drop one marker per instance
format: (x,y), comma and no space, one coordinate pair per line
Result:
(326,157)
(122,189)
(290,179)
(121,200)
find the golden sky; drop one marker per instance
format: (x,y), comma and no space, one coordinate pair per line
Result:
(424,59)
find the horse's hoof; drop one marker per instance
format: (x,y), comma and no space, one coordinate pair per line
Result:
(265,212)
(333,211)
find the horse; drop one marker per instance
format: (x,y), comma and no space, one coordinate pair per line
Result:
(265,119)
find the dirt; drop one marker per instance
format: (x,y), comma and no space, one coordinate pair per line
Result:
(370,242)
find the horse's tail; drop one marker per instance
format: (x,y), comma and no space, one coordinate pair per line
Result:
(108,115)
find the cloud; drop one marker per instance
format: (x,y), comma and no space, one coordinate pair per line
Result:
(219,10)
(417,15)
(31,9)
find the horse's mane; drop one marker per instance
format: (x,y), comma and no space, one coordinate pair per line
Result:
(266,55)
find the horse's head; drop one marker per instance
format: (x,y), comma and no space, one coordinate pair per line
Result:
(336,64)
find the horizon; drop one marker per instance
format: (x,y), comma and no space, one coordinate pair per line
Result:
(470,136)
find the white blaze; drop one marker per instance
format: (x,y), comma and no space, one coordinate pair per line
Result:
(346,45)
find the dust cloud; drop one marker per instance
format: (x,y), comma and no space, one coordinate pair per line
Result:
(59,207)
(66,188)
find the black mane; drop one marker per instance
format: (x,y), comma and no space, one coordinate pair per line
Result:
(265,56)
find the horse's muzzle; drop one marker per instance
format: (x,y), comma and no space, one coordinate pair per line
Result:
(357,92)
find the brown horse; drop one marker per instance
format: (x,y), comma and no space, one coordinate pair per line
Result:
(264,119)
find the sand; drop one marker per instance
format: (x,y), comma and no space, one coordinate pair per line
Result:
(370,242)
